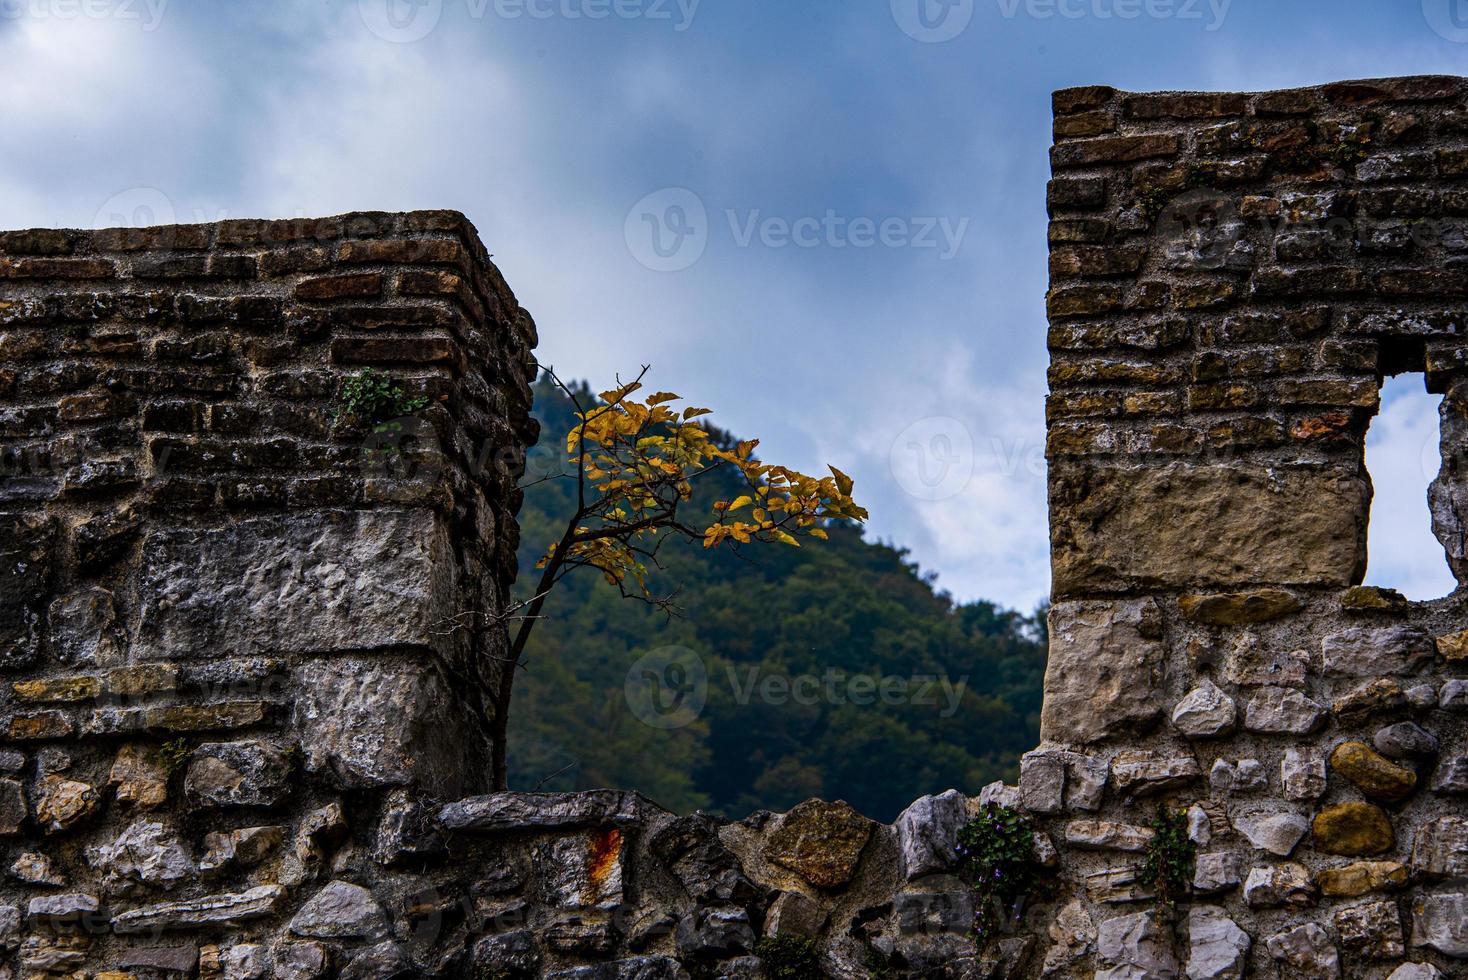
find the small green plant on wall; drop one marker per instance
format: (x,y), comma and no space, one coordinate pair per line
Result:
(1168,869)
(996,858)
(789,957)
(374,399)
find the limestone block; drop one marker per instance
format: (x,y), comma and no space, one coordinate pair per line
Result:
(371,723)
(1217,948)
(1371,652)
(1104,672)
(1440,922)
(1308,951)
(26,545)
(304,583)
(927,833)
(1118,527)
(340,910)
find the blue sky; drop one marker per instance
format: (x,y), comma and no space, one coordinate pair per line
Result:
(864,281)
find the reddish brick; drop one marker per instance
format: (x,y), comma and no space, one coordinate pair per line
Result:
(1114,149)
(49,268)
(429,251)
(1191,105)
(36,241)
(394,350)
(1083,260)
(1084,124)
(1068,100)
(1082,300)
(341,287)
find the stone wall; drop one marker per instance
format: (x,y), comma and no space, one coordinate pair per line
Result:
(246,638)
(1232,278)
(227,606)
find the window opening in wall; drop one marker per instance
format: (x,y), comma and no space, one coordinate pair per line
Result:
(1403,458)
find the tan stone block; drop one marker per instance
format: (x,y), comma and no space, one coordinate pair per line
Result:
(1126,527)
(1104,674)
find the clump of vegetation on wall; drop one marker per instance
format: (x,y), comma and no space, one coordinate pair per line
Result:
(996,858)
(375,399)
(789,957)
(1168,869)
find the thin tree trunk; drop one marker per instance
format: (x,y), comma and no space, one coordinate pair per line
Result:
(501,728)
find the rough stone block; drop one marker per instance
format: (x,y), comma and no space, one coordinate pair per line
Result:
(332,581)
(1184,525)
(370,723)
(26,545)
(1105,667)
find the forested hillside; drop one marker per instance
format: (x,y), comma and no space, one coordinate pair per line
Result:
(828,610)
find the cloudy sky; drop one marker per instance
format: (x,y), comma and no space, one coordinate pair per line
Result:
(823,218)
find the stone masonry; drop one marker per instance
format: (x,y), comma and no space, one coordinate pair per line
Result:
(1232,278)
(246,637)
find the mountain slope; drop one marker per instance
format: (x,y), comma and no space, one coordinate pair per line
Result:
(833,670)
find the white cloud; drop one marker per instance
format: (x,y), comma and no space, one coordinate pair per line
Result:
(1403,458)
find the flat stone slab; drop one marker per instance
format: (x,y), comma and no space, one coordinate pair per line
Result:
(498,812)
(203,913)
(332,581)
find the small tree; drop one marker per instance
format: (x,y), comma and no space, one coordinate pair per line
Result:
(636,464)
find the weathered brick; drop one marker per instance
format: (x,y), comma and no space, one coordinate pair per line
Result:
(1081,98)
(1082,260)
(1076,192)
(394,350)
(1422,282)
(1114,149)
(425,251)
(1203,296)
(1083,300)
(1155,333)
(1112,371)
(1290,103)
(141,679)
(1084,230)
(353,286)
(1192,105)
(56,690)
(1308,282)
(205,718)
(41,726)
(52,268)
(1364,393)
(152,237)
(1084,124)
(36,241)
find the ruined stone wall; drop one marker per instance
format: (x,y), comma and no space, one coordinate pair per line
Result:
(226,606)
(1232,278)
